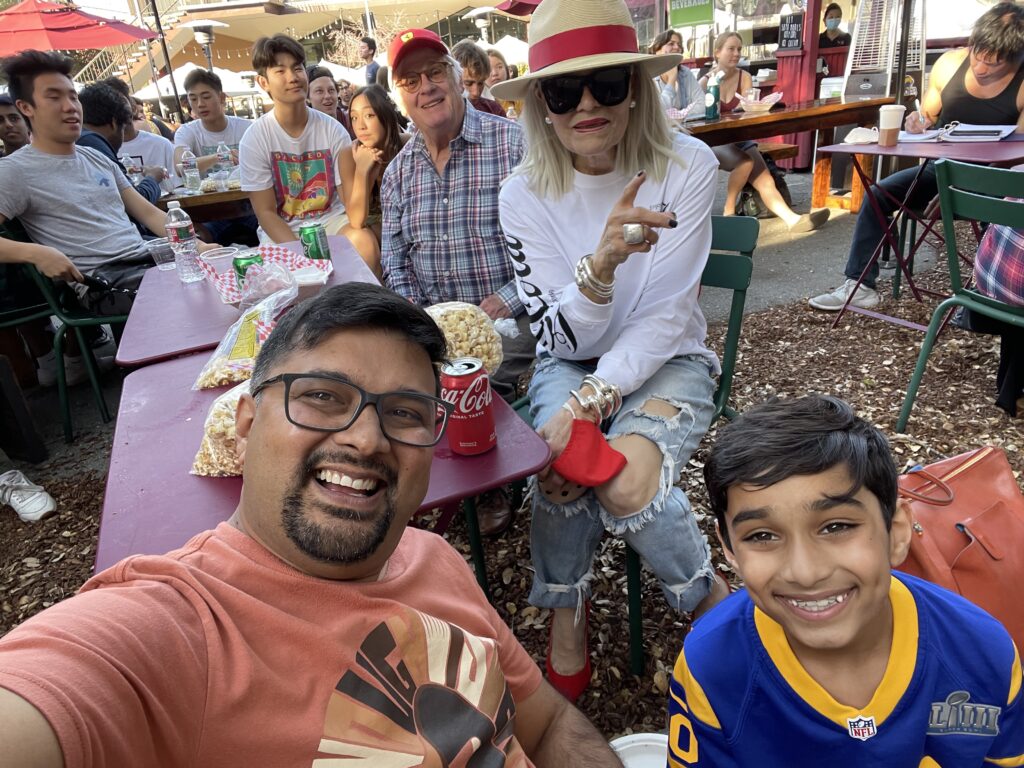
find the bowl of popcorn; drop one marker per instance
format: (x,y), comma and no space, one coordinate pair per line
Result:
(469,332)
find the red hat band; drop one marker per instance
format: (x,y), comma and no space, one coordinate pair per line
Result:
(584,41)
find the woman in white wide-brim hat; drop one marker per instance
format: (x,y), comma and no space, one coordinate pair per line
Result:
(608,224)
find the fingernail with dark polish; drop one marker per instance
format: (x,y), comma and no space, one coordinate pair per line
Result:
(673,223)
(641,173)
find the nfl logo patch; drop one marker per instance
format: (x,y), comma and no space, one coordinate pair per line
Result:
(862,728)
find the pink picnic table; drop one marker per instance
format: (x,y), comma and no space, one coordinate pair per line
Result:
(171,318)
(153,505)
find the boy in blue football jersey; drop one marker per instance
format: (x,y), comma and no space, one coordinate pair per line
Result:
(827,657)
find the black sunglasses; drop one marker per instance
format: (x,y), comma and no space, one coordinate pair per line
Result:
(609,87)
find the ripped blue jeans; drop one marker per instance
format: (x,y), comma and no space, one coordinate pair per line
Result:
(564,537)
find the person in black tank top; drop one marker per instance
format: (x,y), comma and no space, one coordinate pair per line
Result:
(996,53)
(958,105)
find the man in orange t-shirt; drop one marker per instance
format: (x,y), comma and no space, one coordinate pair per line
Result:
(313,626)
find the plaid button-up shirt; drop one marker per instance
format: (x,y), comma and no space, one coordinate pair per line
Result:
(999,265)
(441,239)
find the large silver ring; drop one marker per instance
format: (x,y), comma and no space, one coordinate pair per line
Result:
(633,234)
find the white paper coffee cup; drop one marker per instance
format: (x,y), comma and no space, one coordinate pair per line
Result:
(891,116)
(890,120)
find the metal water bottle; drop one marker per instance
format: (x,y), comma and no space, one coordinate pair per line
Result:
(711,99)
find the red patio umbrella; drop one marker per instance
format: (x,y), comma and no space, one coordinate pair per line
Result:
(45,25)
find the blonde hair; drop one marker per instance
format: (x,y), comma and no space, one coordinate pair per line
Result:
(646,145)
(720,40)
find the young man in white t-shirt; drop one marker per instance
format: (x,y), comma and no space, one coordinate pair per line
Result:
(148,149)
(212,126)
(290,158)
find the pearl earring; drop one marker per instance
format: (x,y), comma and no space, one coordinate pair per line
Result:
(547,120)
(632,105)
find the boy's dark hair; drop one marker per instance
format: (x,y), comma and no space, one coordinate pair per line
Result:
(831,7)
(999,31)
(473,58)
(203,77)
(350,305)
(265,50)
(316,72)
(102,105)
(5,100)
(370,43)
(776,440)
(118,85)
(21,71)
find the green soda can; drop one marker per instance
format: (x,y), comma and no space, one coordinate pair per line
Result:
(242,263)
(314,241)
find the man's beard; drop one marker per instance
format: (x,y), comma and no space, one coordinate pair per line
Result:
(329,545)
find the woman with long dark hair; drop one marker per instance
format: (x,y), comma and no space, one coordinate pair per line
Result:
(378,127)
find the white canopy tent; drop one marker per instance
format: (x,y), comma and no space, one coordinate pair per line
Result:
(513,49)
(233,83)
(355,76)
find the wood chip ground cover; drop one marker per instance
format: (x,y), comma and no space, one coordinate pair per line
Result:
(784,351)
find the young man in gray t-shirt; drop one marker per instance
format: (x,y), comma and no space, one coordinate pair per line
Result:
(72,201)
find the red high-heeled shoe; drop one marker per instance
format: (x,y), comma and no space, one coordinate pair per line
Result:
(571,686)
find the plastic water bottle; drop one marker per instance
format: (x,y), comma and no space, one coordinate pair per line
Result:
(224,159)
(190,168)
(711,99)
(132,169)
(182,237)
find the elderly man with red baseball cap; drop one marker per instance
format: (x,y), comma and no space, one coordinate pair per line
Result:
(441,239)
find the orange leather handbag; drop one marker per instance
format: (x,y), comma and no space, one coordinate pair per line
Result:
(969,532)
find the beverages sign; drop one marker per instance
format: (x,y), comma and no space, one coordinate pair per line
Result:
(684,13)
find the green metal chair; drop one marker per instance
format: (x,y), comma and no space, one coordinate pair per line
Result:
(730,265)
(75,319)
(968,192)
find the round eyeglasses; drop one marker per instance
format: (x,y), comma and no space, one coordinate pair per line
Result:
(435,73)
(332,404)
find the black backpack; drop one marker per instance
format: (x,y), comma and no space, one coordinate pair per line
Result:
(750,202)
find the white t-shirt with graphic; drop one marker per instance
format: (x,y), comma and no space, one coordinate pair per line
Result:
(204,142)
(151,149)
(305,173)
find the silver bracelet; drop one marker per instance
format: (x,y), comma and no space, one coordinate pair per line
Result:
(607,397)
(586,279)
(588,404)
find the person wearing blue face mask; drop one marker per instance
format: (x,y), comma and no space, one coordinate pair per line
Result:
(832,37)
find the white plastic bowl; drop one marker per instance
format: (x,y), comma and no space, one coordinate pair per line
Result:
(756,108)
(642,750)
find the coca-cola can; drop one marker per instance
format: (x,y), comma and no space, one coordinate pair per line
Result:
(465,385)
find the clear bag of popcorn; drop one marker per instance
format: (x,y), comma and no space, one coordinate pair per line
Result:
(217,456)
(233,359)
(469,332)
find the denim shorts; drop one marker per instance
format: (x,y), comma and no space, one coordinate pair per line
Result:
(564,537)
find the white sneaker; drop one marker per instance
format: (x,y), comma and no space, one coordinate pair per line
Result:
(30,501)
(46,369)
(865,298)
(76,372)
(74,369)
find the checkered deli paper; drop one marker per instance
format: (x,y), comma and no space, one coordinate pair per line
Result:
(227,285)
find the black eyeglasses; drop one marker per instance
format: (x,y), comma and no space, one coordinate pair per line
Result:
(332,404)
(436,73)
(609,87)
